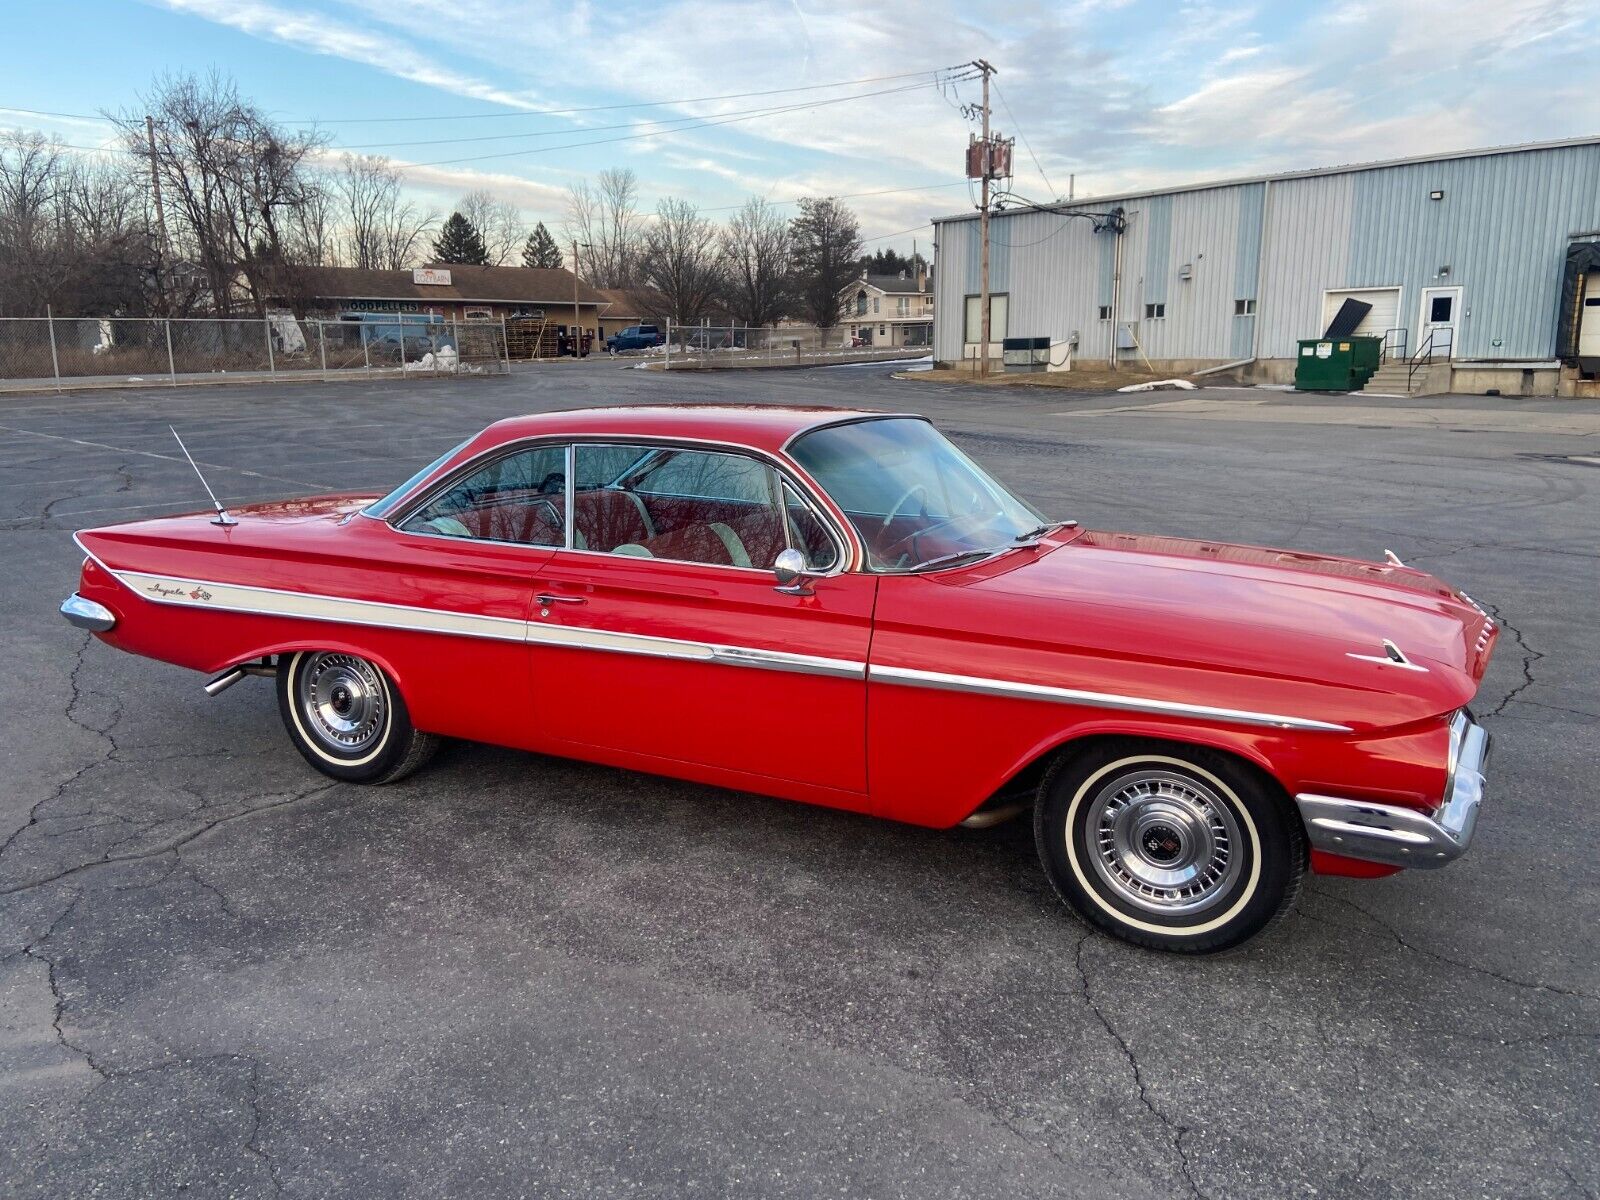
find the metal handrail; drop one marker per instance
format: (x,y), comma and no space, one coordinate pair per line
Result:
(1424,355)
(1385,352)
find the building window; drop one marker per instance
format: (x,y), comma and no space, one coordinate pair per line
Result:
(1155,312)
(999,304)
(1105,312)
(1244,308)
(875,304)
(902,307)
(882,329)
(861,304)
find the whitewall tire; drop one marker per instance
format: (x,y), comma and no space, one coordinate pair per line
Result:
(347,718)
(1168,846)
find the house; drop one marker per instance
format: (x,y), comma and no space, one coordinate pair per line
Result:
(889,310)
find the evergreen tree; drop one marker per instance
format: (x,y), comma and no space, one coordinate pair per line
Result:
(460,242)
(541,250)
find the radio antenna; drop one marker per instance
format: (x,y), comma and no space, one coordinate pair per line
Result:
(222,518)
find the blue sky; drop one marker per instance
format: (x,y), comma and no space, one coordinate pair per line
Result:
(1119,93)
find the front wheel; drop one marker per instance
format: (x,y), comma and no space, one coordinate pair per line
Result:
(1168,846)
(347,719)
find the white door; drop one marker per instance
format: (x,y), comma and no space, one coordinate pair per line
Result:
(1589,329)
(1440,317)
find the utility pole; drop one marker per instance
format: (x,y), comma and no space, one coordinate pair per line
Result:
(161,213)
(577,331)
(987,165)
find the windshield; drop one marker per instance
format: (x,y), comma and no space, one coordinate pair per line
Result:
(382,508)
(912,496)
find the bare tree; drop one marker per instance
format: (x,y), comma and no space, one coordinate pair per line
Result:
(73,233)
(603,219)
(498,222)
(758,257)
(827,243)
(231,178)
(680,260)
(383,230)
(312,234)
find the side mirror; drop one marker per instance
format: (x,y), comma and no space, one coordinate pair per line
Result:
(790,570)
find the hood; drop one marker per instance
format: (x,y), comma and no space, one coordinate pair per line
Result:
(1149,602)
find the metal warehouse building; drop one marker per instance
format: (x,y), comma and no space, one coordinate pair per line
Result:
(1483,264)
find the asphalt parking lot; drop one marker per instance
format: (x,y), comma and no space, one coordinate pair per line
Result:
(222,974)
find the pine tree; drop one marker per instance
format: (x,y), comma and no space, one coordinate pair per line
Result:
(460,242)
(541,250)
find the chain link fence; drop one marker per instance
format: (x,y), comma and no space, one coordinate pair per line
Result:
(701,347)
(44,353)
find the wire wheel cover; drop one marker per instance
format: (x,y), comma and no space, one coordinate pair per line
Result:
(1163,841)
(343,701)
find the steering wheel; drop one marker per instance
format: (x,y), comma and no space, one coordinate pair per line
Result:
(905,497)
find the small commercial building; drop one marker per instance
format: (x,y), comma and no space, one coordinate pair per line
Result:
(451,293)
(1481,268)
(889,310)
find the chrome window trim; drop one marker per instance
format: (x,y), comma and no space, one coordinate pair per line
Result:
(939,680)
(851,551)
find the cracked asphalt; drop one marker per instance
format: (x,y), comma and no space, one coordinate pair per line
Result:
(223,975)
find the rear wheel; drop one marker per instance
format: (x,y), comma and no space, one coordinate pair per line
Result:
(1168,846)
(347,719)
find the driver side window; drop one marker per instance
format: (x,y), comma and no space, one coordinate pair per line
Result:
(519,498)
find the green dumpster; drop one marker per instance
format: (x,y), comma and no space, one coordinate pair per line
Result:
(1336,364)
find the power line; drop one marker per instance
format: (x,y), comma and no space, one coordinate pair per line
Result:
(925,187)
(901,233)
(557,112)
(705,124)
(1017,125)
(538,133)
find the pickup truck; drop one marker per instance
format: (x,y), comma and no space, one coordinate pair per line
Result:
(634,337)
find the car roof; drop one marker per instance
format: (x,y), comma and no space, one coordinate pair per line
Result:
(760,426)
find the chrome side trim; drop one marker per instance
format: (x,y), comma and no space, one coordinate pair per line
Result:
(1404,837)
(274,602)
(1058,695)
(86,614)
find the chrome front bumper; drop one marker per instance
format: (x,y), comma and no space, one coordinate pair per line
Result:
(86,614)
(1404,837)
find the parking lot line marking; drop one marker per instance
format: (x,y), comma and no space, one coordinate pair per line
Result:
(56,437)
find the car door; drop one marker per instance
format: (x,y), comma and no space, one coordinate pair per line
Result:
(462,563)
(661,632)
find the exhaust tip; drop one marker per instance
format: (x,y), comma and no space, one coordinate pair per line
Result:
(224,681)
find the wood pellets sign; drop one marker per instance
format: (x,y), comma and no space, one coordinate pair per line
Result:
(430,276)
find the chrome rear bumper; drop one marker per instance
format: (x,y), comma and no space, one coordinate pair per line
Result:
(86,614)
(1404,837)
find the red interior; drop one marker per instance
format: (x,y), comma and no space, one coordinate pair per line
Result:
(674,527)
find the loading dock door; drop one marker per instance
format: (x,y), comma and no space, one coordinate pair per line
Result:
(1589,322)
(1384,314)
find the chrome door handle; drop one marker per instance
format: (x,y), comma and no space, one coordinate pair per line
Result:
(546,600)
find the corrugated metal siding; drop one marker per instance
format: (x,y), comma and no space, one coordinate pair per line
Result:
(1502,229)
(1305,249)
(1247,254)
(1157,250)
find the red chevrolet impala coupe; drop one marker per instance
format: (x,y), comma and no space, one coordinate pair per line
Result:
(842,608)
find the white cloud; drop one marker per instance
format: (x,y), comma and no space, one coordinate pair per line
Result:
(321,35)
